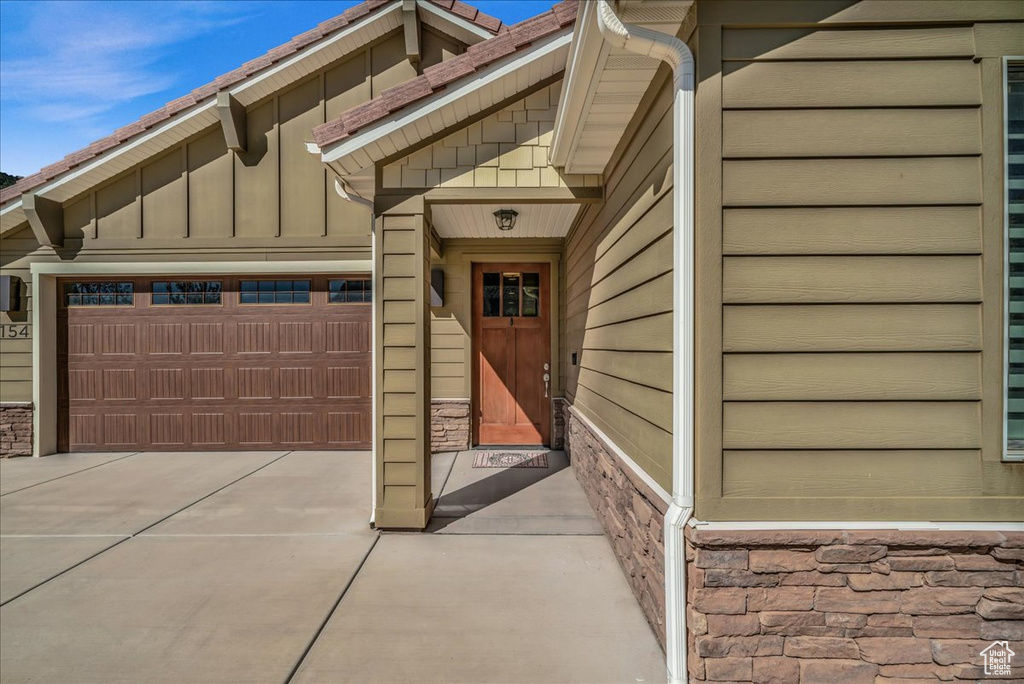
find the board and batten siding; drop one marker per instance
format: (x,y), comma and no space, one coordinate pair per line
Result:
(200,201)
(618,296)
(850,180)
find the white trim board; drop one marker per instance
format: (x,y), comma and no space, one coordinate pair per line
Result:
(621,455)
(344,150)
(432,14)
(201,267)
(855,525)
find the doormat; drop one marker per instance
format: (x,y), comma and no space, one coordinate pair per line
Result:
(510,459)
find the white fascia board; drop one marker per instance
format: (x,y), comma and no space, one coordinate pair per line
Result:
(453,25)
(855,525)
(622,456)
(305,53)
(199,267)
(582,74)
(120,150)
(205,107)
(442,99)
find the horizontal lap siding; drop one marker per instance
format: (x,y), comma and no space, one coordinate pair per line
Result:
(852,280)
(618,320)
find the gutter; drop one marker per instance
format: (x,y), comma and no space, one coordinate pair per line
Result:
(669,49)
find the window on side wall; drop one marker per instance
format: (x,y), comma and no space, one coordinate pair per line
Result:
(1013,73)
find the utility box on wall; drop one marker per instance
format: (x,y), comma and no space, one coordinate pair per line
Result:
(10,293)
(437,287)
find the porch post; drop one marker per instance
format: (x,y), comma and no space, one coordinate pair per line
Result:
(402,411)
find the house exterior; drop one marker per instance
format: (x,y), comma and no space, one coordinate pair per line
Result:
(759,286)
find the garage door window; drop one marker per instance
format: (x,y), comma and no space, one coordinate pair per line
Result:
(350,291)
(274,292)
(186,292)
(99,294)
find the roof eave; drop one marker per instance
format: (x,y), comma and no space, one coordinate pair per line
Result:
(368,146)
(202,114)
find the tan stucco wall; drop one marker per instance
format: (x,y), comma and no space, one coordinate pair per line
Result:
(849,189)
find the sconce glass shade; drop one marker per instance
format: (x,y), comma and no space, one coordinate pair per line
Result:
(505,219)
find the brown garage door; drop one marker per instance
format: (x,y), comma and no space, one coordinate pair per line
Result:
(214,362)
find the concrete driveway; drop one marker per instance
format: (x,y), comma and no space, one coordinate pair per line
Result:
(260,567)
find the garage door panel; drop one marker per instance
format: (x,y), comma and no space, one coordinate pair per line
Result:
(207,383)
(206,338)
(220,376)
(165,338)
(118,339)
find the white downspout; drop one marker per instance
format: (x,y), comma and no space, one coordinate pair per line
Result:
(670,49)
(346,193)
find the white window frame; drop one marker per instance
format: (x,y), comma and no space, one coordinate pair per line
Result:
(1008,455)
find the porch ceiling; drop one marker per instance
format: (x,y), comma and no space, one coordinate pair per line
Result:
(477,220)
(604,85)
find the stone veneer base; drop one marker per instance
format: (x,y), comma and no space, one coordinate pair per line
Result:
(15,430)
(812,606)
(630,512)
(449,425)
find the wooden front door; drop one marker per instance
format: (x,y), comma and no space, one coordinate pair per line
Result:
(512,353)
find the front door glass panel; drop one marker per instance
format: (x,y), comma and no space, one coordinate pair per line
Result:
(492,294)
(531,294)
(510,294)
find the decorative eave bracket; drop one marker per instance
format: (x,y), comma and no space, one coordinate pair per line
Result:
(232,121)
(46,217)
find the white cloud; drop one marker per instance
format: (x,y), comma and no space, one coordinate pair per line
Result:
(77,60)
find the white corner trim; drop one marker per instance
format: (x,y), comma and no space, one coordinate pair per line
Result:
(855,525)
(611,446)
(201,267)
(1008,455)
(444,98)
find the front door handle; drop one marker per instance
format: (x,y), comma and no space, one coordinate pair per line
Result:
(547,378)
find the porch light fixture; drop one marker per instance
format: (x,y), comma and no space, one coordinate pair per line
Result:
(505,219)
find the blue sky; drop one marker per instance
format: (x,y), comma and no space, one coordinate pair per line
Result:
(72,71)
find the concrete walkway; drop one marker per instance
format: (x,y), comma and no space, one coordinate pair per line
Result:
(260,567)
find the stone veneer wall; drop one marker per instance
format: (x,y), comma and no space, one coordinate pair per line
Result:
(810,607)
(630,512)
(16,430)
(559,408)
(449,425)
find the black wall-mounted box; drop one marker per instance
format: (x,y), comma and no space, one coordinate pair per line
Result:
(10,293)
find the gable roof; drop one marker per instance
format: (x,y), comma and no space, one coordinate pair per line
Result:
(248,70)
(437,77)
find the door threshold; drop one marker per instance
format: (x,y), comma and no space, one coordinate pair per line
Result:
(518,447)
